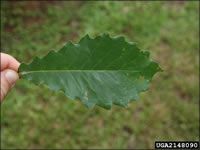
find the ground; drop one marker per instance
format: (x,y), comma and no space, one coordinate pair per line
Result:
(35,117)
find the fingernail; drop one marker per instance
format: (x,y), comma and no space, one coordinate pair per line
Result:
(11,76)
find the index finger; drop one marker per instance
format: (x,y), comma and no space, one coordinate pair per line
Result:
(8,62)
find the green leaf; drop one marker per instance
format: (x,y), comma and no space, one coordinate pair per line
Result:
(100,71)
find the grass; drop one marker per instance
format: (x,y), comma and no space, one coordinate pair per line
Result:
(34,117)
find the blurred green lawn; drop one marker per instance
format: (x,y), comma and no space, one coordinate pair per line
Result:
(34,117)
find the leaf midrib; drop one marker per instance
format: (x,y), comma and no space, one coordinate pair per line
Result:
(46,71)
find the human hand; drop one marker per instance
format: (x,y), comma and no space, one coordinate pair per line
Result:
(9,75)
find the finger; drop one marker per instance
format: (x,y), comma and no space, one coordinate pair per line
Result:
(9,62)
(8,79)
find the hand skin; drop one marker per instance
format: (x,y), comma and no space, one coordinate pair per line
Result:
(9,75)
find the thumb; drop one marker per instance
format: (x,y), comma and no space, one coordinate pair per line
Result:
(8,79)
